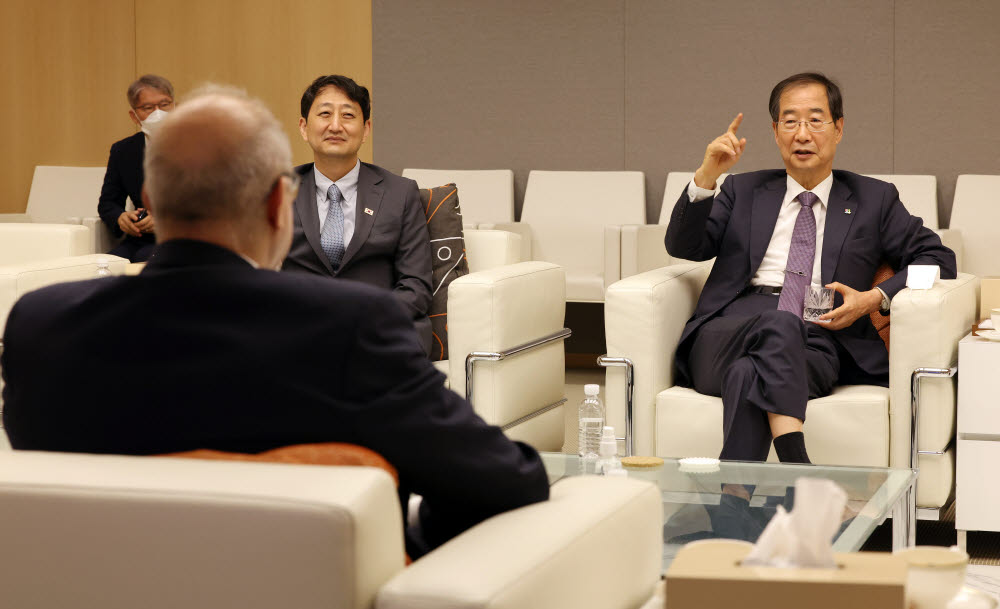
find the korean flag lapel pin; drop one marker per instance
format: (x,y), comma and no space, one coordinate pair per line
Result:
(371,213)
(847,211)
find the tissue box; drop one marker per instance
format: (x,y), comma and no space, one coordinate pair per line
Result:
(708,575)
(989,296)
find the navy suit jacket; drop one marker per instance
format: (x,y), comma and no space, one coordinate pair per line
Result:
(390,247)
(246,360)
(123,179)
(866,225)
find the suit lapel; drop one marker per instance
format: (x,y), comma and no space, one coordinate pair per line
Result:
(837,224)
(369,198)
(763,216)
(305,208)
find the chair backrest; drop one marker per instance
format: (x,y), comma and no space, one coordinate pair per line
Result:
(568,210)
(677,182)
(918,194)
(58,193)
(975,212)
(115,532)
(485,195)
(30,242)
(488,249)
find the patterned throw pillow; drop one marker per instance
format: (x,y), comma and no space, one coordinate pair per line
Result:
(444,224)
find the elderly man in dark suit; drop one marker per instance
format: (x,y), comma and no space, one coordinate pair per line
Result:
(150,98)
(773,235)
(243,358)
(355,220)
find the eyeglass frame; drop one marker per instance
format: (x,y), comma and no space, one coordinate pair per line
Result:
(294,180)
(150,108)
(808,123)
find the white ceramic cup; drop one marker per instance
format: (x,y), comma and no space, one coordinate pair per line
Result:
(995,318)
(935,575)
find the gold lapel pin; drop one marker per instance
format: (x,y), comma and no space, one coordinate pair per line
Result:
(371,213)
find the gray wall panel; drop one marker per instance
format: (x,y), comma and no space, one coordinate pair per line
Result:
(645,84)
(689,73)
(516,85)
(947,88)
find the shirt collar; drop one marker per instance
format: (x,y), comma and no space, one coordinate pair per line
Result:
(348,184)
(822,190)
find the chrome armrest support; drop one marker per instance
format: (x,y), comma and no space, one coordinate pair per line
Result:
(496,356)
(607,361)
(918,374)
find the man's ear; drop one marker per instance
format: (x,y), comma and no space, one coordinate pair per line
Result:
(302,129)
(135,118)
(839,126)
(276,200)
(368,131)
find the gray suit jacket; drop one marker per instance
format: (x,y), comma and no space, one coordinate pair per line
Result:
(390,248)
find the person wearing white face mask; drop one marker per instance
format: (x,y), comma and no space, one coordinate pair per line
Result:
(150,98)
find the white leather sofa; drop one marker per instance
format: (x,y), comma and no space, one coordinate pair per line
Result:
(503,304)
(856,425)
(68,195)
(113,532)
(975,215)
(29,242)
(486,196)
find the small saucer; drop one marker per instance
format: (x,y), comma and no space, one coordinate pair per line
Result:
(698,465)
(993,335)
(973,599)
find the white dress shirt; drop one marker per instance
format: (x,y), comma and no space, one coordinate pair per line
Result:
(348,186)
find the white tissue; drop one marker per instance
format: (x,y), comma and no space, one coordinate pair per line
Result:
(804,536)
(922,276)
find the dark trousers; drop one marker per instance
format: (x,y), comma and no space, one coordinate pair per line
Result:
(760,360)
(136,249)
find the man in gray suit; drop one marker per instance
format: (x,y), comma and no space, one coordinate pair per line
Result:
(355,220)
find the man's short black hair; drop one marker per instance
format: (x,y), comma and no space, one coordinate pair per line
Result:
(351,89)
(833,96)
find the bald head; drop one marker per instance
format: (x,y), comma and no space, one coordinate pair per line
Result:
(215,159)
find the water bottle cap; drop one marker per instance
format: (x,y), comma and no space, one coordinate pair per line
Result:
(591,389)
(609,445)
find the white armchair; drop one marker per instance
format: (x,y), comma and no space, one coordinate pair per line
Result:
(856,425)
(975,214)
(29,242)
(114,532)
(642,244)
(67,195)
(576,220)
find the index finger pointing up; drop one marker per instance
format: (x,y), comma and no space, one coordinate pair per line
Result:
(736,123)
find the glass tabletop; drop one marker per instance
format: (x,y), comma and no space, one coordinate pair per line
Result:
(735,500)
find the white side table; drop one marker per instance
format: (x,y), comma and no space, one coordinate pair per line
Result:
(977,495)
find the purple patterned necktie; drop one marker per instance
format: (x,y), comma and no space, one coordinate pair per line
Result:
(801,253)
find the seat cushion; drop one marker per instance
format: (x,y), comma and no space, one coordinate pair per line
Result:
(444,224)
(848,427)
(584,287)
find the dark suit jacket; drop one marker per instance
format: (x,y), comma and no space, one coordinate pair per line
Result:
(123,179)
(390,247)
(736,228)
(246,360)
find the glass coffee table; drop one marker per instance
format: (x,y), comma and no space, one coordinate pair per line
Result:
(737,499)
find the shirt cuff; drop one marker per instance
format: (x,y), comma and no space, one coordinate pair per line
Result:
(697,193)
(884,307)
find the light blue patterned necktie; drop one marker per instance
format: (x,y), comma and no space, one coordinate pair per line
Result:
(801,254)
(331,238)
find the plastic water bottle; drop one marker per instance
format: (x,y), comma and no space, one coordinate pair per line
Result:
(609,460)
(103,269)
(591,423)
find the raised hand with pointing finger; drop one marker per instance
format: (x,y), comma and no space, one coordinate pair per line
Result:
(722,153)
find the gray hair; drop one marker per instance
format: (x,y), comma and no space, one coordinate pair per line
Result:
(222,165)
(151,81)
